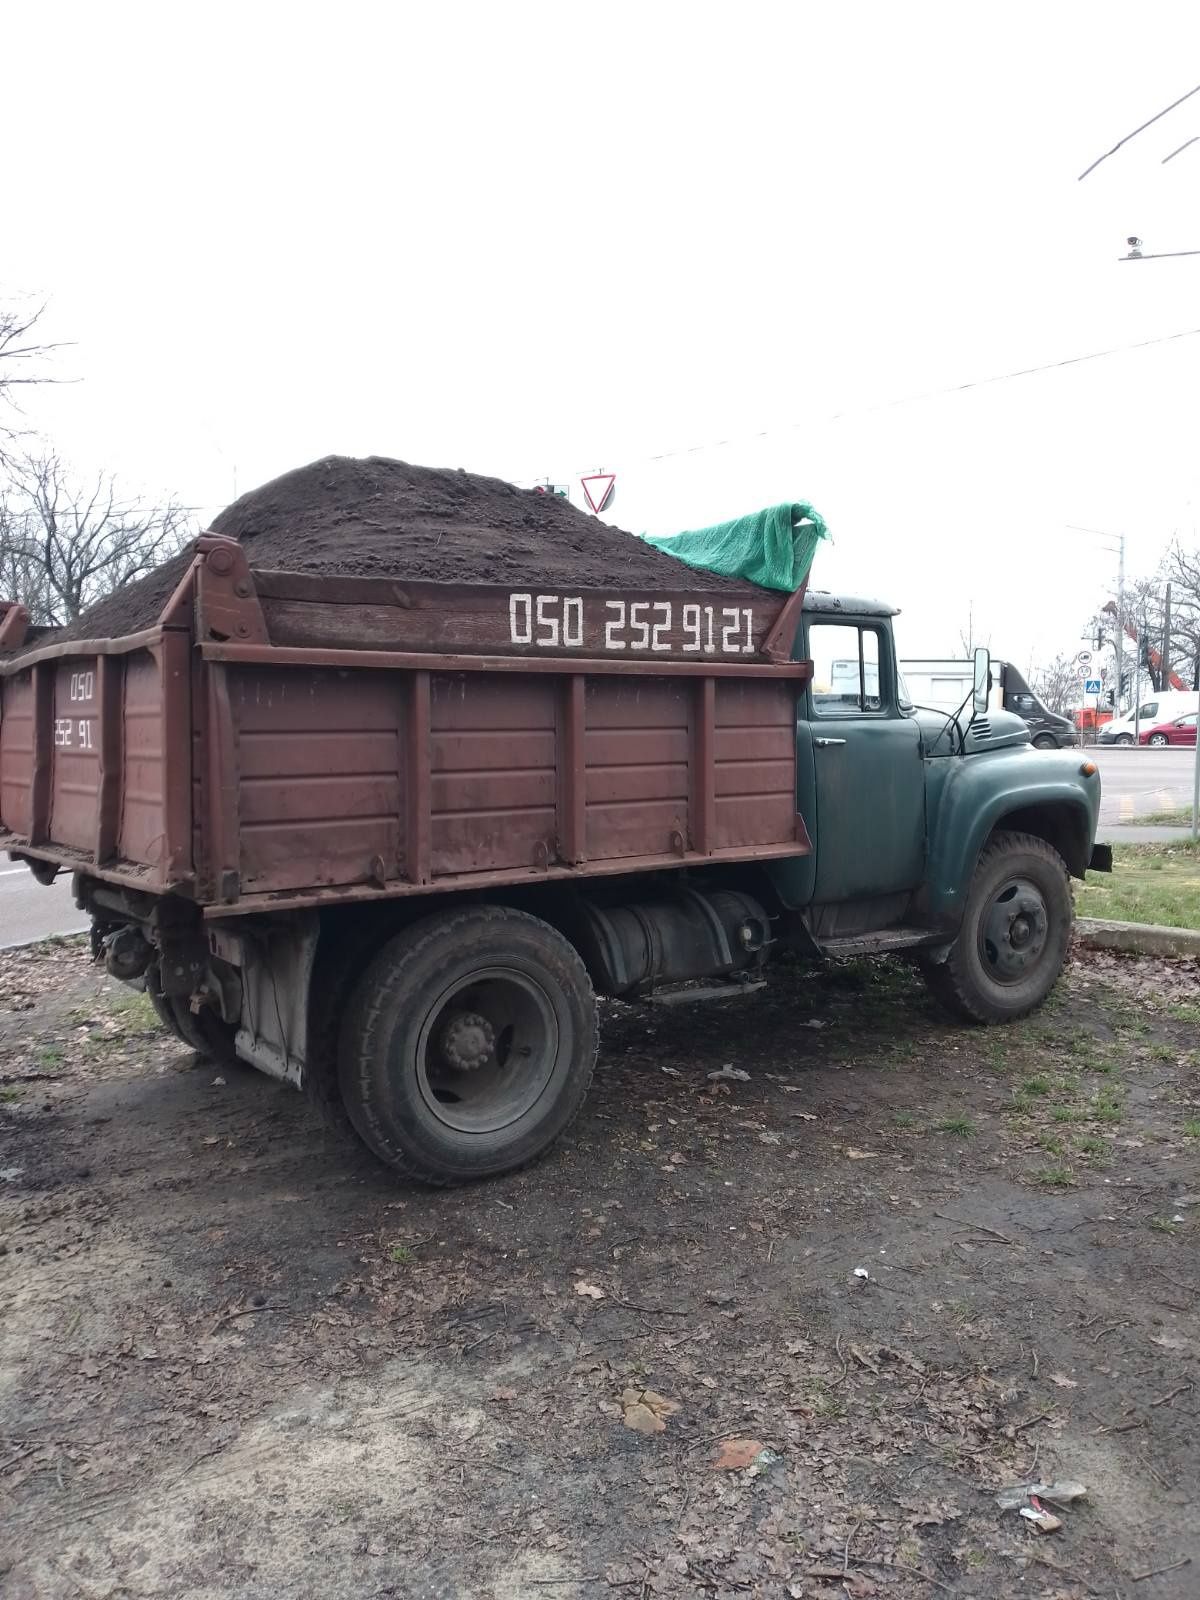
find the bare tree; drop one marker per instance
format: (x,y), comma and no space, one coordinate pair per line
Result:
(64,546)
(21,357)
(1058,685)
(1182,568)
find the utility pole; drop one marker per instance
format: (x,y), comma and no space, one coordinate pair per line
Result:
(1119,646)
(1166,647)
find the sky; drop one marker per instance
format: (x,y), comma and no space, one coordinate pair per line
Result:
(732,253)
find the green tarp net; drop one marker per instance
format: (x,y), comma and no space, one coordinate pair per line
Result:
(774,548)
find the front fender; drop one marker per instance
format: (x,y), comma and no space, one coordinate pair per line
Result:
(1030,792)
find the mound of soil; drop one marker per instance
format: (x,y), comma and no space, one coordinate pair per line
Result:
(376,517)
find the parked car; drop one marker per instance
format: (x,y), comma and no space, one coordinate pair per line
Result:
(1162,706)
(1181,731)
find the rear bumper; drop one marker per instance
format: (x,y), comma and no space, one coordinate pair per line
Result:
(1101,858)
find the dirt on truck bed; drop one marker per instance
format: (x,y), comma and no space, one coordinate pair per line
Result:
(377,517)
(817,1275)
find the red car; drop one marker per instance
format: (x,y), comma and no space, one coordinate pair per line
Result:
(1181,731)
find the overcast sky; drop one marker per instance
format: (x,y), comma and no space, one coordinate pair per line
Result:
(532,239)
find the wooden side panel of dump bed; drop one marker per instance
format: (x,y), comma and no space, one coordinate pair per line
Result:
(409,778)
(351,739)
(91,740)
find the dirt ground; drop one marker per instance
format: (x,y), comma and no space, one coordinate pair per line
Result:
(237,1358)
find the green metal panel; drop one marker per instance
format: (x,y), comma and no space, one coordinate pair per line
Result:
(860,788)
(971,796)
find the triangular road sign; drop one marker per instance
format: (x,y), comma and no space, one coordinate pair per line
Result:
(598,487)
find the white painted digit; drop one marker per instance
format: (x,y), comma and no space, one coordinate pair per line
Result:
(729,632)
(657,642)
(614,625)
(573,621)
(549,622)
(748,647)
(691,627)
(520,611)
(708,616)
(641,639)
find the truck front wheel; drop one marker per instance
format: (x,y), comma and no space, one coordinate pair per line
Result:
(1014,936)
(468,1044)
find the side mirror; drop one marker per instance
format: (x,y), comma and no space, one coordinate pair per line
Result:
(983,681)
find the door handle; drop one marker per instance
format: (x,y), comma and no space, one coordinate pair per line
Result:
(825,743)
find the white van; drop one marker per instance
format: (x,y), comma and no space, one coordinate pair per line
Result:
(1155,708)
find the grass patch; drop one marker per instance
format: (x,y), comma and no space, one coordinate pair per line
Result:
(1091,1144)
(401,1255)
(904,1119)
(1184,1013)
(135,1011)
(1036,1086)
(1064,1114)
(1107,1108)
(50,1056)
(962,1126)
(1156,883)
(1055,1177)
(7,1096)
(1191,1130)
(1052,1145)
(1175,817)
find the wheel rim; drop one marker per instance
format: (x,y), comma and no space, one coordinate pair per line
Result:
(1157,739)
(487,1050)
(1013,931)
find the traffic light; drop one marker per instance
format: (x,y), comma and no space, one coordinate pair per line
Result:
(1126,680)
(1110,698)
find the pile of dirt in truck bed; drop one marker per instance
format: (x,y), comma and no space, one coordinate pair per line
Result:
(376,517)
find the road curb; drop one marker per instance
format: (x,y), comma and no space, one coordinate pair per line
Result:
(1137,938)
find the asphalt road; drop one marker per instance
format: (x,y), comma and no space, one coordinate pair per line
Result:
(1138,782)
(29,912)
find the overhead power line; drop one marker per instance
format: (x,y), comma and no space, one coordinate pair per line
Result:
(1155,118)
(905,400)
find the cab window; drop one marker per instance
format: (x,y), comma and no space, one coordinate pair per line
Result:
(846,670)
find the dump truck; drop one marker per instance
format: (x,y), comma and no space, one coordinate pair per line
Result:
(387,841)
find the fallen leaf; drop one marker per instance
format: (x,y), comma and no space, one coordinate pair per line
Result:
(503,1394)
(730,1072)
(645,1411)
(589,1291)
(737,1454)
(860,1155)
(1062,1382)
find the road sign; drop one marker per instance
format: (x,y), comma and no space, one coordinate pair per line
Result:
(598,487)
(1092,686)
(1084,658)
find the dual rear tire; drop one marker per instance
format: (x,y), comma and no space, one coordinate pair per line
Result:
(468,1044)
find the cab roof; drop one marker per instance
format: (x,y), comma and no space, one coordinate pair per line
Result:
(822,600)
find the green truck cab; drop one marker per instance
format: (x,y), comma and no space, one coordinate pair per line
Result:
(941,835)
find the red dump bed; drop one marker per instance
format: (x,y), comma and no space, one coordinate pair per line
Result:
(278,739)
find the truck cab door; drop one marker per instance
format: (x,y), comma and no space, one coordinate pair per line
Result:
(859,764)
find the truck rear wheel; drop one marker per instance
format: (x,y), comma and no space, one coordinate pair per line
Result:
(468,1044)
(1013,941)
(209,1035)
